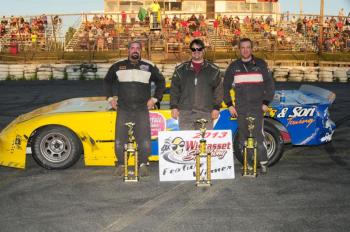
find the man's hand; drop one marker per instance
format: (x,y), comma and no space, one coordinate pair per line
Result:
(215,114)
(113,103)
(150,104)
(265,108)
(233,111)
(175,113)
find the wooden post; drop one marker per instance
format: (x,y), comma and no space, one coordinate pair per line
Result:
(320,46)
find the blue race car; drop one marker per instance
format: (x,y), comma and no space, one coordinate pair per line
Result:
(299,117)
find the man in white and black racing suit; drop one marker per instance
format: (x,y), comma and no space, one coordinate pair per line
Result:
(254,89)
(131,78)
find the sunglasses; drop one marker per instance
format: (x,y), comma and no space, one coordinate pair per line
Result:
(197,49)
(174,146)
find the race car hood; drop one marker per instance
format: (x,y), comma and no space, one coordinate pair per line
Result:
(86,104)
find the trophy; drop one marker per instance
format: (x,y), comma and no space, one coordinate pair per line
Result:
(250,145)
(131,152)
(204,181)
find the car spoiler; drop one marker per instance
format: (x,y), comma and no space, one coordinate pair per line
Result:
(323,93)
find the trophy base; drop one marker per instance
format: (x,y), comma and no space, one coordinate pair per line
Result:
(203,184)
(131,179)
(251,175)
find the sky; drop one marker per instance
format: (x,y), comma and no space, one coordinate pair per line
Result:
(35,7)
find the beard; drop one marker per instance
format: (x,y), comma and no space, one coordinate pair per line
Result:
(135,56)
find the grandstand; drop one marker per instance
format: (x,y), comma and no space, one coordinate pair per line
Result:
(219,23)
(18,34)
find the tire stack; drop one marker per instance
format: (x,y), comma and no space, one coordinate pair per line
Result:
(73,72)
(16,71)
(58,71)
(89,71)
(89,75)
(4,72)
(44,72)
(30,71)
(340,75)
(325,74)
(280,74)
(296,75)
(102,70)
(310,75)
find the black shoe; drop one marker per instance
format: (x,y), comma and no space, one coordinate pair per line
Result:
(263,169)
(144,170)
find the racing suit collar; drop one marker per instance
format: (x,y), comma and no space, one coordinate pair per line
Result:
(252,60)
(134,62)
(189,65)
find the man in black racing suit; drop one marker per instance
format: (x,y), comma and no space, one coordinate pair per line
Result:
(132,79)
(254,89)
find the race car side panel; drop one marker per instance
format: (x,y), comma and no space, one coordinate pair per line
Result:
(95,130)
(13,148)
(306,125)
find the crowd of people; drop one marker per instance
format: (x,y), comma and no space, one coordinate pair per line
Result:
(290,29)
(15,31)
(103,32)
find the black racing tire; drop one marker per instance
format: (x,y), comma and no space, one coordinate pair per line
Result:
(273,140)
(56,147)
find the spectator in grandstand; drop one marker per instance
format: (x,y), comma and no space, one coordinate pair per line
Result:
(339,26)
(142,14)
(252,97)
(155,10)
(247,21)
(56,20)
(34,38)
(110,42)
(201,18)
(124,17)
(132,17)
(237,33)
(347,22)
(132,79)
(269,20)
(216,26)
(196,90)
(166,23)
(196,33)
(100,43)
(4,21)
(187,39)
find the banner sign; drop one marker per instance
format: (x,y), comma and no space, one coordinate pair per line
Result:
(178,149)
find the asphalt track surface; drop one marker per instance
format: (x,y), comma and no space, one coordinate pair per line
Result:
(308,190)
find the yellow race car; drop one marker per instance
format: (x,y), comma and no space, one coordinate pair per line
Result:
(60,133)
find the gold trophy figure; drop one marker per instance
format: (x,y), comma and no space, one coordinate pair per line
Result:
(250,145)
(131,152)
(203,182)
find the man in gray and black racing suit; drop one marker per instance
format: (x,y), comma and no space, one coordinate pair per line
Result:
(132,79)
(254,89)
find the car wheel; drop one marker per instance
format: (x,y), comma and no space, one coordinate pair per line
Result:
(273,141)
(56,147)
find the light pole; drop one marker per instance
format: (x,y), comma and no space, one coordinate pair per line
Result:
(320,46)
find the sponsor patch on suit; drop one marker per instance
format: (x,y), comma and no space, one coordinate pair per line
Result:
(144,67)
